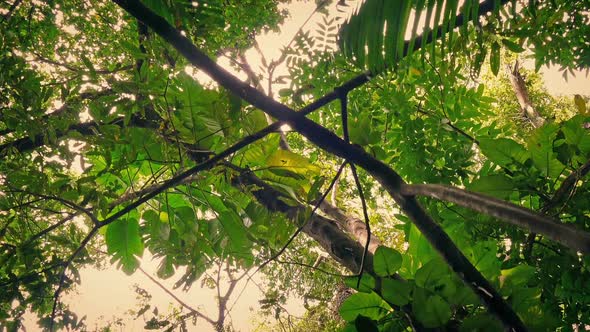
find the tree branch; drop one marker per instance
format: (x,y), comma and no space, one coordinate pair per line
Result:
(331,143)
(513,214)
(522,95)
(191,310)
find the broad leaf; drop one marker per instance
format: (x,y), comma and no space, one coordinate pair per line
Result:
(431,310)
(503,151)
(395,291)
(498,185)
(367,304)
(124,243)
(386,261)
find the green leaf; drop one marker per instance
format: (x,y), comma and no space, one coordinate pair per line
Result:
(419,251)
(580,104)
(503,151)
(165,269)
(367,283)
(518,275)
(360,130)
(287,160)
(395,291)
(497,185)
(124,243)
(512,46)
(431,310)
(575,133)
(369,305)
(431,273)
(495,58)
(483,256)
(314,190)
(236,231)
(159,7)
(286,173)
(386,261)
(88,64)
(365,324)
(540,145)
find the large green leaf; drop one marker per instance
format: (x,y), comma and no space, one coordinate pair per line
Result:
(375,35)
(576,135)
(367,304)
(503,151)
(395,291)
(431,310)
(540,145)
(124,243)
(386,261)
(498,185)
(366,285)
(236,232)
(291,162)
(518,275)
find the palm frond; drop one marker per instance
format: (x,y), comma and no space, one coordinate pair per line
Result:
(376,35)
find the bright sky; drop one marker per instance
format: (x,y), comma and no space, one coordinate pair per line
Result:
(109,292)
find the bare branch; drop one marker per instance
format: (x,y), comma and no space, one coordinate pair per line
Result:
(66,265)
(191,310)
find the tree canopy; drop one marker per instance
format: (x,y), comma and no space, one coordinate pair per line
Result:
(444,201)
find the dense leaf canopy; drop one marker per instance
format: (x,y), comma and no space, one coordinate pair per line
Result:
(444,200)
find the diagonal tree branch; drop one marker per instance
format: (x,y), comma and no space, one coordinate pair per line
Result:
(512,213)
(326,232)
(191,310)
(331,143)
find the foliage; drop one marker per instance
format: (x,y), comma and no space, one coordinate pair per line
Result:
(107,140)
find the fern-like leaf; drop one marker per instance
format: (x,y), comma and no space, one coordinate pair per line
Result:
(375,35)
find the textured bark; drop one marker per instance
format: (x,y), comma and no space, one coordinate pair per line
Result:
(565,234)
(522,94)
(352,225)
(323,230)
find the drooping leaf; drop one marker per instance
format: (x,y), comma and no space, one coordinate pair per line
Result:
(495,58)
(124,243)
(512,46)
(580,104)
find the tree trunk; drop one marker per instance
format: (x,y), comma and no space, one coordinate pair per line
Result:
(522,94)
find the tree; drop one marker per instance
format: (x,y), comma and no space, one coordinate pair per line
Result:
(193,174)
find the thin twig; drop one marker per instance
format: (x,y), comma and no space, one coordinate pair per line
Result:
(192,310)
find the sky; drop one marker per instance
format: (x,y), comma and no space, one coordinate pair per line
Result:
(109,292)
